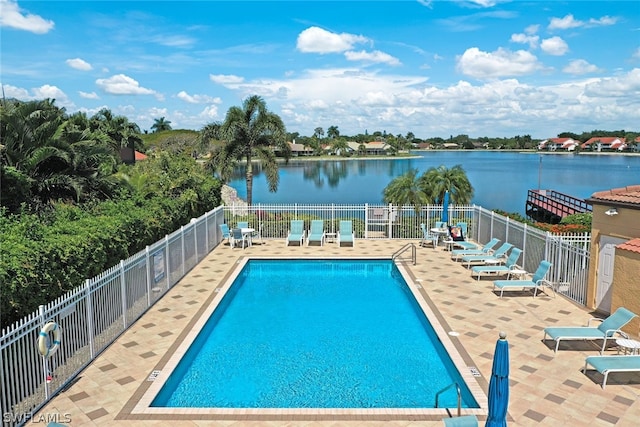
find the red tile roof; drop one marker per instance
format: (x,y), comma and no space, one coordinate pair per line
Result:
(627,195)
(632,245)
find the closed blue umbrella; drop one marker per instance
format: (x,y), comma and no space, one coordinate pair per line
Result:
(499,385)
(445,208)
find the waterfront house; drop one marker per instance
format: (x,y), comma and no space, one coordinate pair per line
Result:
(615,252)
(558,144)
(372,148)
(300,149)
(602,143)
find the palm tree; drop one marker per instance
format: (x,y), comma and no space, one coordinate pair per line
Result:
(333,132)
(248,131)
(161,124)
(436,181)
(406,190)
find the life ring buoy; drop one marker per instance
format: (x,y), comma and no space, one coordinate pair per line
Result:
(47,346)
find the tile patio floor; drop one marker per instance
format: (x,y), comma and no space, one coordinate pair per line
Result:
(546,389)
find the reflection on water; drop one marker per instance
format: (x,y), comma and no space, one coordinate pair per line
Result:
(500,179)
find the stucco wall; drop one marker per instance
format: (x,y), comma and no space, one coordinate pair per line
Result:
(626,290)
(625,225)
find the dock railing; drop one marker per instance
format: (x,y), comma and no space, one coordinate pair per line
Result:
(96,313)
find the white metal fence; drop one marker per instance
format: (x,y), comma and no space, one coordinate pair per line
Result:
(569,254)
(94,315)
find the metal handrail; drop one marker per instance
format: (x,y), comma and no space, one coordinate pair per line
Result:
(399,252)
(459,396)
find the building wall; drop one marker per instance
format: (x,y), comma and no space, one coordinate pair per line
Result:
(626,277)
(625,225)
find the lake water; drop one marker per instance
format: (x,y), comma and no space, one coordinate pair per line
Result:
(500,179)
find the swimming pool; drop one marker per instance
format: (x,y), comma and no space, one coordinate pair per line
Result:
(313,334)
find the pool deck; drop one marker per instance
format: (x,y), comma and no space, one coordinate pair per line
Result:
(547,389)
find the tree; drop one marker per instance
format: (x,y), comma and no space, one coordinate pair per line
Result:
(406,190)
(318,132)
(48,156)
(161,124)
(248,131)
(333,132)
(436,181)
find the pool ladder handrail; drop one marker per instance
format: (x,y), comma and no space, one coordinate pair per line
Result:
(457,391)
(403,249)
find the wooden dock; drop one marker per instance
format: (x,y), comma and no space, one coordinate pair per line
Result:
(551,206)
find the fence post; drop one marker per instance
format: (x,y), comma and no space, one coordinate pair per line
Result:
(45,364)
(149,270)
(184,271)
(90,327)
(166,261)
(195,237)
(123,287)
(524,243)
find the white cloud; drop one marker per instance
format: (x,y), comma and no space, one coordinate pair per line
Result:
(317,40)
(570,22)
(636,54)
(500,63)
(79,64)
(554,46)
(225,79)
(121,84)
(88,95)
(209,113)
(13,16)
(564,23)
(614,87)
(198,99)
(531,40)
(375,56)
(174,41)
(580,66)
(16,92)
(605,20)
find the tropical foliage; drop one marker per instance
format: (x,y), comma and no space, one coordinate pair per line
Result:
(249,132)
(430,187)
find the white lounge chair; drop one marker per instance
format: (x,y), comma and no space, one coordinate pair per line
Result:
(509,265)
(316,232)
(606,330)
(609,364)
(485,250)
(345,233)
(296,232)
(500,256)
(536,283)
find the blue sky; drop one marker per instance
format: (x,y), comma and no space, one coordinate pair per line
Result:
(434,68)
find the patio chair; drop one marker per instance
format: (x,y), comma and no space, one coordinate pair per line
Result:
(486,249)
(345,233)
(604,331)
(609,364)
(237,236)
(316,232)
(226,233)
(499,256)
(296,232)
(255,234)
(428,237)
(537,281)
(509,265)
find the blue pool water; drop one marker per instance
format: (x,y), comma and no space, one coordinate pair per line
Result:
(315,334)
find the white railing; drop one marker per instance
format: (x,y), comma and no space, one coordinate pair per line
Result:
(93,315)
